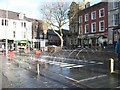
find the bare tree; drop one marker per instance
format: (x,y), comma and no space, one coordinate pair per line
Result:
(56,16)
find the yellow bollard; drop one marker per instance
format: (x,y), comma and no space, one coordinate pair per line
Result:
(111,65)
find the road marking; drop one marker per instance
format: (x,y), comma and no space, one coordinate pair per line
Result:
(69,78)
(100,63)
(66,65)
(91,78)
(78,66)
(118,87)
(57,63)
(92,62)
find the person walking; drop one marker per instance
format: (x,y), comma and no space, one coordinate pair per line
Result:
(117,50)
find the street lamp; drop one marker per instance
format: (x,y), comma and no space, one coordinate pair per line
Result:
(6,41)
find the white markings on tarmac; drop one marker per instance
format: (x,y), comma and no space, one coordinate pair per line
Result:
(67,65)
(78,81)
(79,66)
(91,78)
(92,62)
(100,63)
(118,87)
(69,78)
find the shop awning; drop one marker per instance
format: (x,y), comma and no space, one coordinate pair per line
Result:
(24,41)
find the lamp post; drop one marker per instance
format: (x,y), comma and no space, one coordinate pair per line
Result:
(6,41)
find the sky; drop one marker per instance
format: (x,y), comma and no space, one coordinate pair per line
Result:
(31,8)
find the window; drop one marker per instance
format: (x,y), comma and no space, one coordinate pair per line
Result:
(86,28)
(101,12)
(86,17)
(14,34)
(101,26)
(71,40)
(80,29)
(21,24)
(24,35)
(24,24)
(4,22)
(80,19)
(93,15)
(93,27)
(115,4)
(75,41)
(116,18)
(14,24)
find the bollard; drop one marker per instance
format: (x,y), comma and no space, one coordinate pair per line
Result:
(38,70)
(111,65)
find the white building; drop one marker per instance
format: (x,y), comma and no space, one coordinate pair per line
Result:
(16,28)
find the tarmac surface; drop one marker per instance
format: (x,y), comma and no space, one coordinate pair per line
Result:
(57,71)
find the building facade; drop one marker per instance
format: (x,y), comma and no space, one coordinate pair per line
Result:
(73,25)
(20,31)
(73,14)
(39,35)
(93,25)
(53,38)
(113,20)
(15,28)
(90,25)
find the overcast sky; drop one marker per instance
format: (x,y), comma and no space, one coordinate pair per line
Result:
(29,7)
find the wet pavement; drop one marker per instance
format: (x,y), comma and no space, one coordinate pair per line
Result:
(18,77)
(58,72)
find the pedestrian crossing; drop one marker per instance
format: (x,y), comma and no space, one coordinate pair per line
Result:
(80,64)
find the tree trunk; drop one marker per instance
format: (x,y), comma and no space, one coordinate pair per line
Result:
(61,42)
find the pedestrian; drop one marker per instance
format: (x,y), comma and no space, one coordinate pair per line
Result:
(104,44)
(38,53)
(90,43)
(11,55)
(117,50)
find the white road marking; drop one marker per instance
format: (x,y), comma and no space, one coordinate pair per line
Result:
(118,87)
(100,63)
(78,66)
(69,78)
(57,63)
(66,65)
(91,78)
(92,62)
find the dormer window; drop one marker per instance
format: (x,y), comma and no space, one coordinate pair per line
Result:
(21,16)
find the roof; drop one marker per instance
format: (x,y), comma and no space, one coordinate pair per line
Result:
(94,6)
(14,15)
(50,31)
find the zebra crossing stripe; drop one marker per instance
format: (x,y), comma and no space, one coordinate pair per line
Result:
(66,65)
(78,66)
(75,66)
(100,63)
(92,62)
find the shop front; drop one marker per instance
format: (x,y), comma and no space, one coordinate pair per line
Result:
(22,44)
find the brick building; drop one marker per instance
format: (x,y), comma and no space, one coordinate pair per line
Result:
(93,24)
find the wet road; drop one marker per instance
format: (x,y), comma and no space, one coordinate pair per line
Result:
(59,72)
(92,74)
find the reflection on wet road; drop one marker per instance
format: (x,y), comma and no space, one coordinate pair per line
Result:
(93,74)
(57,72)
